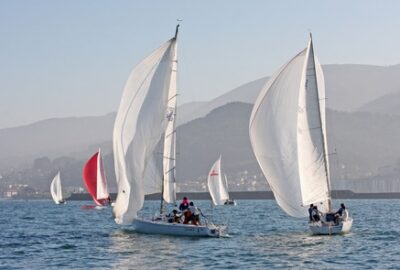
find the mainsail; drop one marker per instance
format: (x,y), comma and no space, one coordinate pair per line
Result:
(95,179)
(144,116)
(55,189)
(287,133)
(216,186)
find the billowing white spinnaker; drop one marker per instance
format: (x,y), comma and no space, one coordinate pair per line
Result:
(140,123)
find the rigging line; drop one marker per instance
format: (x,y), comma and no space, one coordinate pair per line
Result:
(318,128)
(170,170)
(170,134)
(335,153)
(173,97)
(170,158)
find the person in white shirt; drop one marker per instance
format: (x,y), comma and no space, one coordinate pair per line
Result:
(195,218)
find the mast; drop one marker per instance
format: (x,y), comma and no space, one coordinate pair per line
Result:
(170,131)
(322,131)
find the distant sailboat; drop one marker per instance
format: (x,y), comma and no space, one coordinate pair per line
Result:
(56,190)
(288,137)
(218,187)
(95,180)
(145,116)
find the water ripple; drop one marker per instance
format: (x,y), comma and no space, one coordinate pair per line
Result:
(41,235)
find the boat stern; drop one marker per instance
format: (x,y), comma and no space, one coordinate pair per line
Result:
(318,228)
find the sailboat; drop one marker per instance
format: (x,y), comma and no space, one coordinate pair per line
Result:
(95,180)
(217,187)
(288,136)
(146,117)
(56,190)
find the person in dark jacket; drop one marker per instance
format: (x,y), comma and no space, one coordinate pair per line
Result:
(310,212)
(340,213)
(315,214)
(184,204)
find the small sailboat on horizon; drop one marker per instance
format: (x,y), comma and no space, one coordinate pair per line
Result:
(145,120)
(56,190)
(288,137)
(95,179)
(217,187)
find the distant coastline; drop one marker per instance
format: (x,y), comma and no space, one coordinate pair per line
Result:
(251,195)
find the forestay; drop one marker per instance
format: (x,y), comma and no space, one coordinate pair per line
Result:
(287,129)
(140,123)
(216,187)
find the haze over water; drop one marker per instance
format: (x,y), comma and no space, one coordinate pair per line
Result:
(42,235)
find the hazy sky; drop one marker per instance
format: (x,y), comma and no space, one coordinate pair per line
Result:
(72,58)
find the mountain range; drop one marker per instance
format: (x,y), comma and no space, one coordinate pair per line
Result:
(363,132)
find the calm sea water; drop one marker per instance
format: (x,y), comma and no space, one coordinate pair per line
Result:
(42,235)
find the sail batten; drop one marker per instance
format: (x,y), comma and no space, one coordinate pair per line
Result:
(284,134)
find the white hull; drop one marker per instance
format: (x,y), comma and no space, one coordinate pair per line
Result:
(178,229)
(343,227)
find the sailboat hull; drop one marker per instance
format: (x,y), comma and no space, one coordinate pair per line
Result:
(177,229)
(60,202)
(342,228)
(230,202)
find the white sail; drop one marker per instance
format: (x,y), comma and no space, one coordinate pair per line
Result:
(216,186)
(169,153)
(55,189)
(226,185)
(140,123)
(287,126)
(102,189)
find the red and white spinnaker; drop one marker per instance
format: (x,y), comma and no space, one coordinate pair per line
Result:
(95,179)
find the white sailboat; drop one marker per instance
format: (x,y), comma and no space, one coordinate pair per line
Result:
(145,116)
(217,187)
(56,190)
(288,136)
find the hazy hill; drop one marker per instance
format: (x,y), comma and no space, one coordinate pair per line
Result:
(55,137)
(348,87)
(224,132)
(365,144)
(245,93)
(387,104)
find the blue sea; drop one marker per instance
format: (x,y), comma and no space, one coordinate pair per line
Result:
(43,235)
